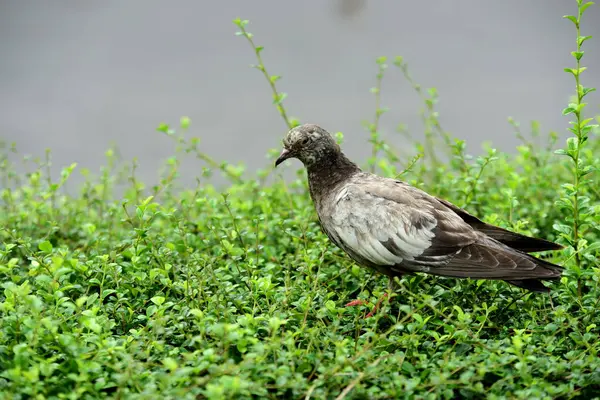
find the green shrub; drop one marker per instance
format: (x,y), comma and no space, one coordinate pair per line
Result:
(170,292)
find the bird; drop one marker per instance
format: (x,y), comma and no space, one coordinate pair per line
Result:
(396,229)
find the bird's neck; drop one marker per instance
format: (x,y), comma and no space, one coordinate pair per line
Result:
(328,172)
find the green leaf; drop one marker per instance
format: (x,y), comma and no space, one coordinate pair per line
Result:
(562,228)
(571,71)
(381,60)
(184,122)
(146,201)
(408,368)
(582,39)
(572,143)
(561,152)
(150,311)
(593,247)
(577,54)
(585,122)
(330,305)
(92,324)
(586,90)
(278,99)
(170,363)
(158,300)
(164,128)
(571,18)
(585,7)
(45,246)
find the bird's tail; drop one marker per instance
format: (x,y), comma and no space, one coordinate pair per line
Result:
(534,285)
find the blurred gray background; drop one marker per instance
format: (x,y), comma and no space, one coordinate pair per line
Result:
(77,76)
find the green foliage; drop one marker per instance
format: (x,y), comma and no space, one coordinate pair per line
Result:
(170,292)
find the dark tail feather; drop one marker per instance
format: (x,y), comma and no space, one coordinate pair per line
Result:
(534,285)
(511,239)
(516,240)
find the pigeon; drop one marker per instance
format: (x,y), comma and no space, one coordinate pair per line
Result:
(396,229)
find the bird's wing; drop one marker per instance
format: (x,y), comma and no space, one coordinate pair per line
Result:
(389,223)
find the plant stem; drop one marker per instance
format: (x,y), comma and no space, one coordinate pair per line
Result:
(374,127)
(580,128)
(277,97)
(576,157)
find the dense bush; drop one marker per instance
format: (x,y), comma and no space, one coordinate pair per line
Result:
(166,292)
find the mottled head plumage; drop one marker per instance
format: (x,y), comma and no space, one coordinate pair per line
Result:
(309,143)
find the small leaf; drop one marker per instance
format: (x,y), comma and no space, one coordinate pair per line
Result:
(561,152)
(562,228)
(408,368)
(582,39)
(278,99)
(571,18)
(170,363)
(572,144)
(564,203)
(150,311)
(585,122)
(585,6)
(586,90)
(146,201)
(45,246)
(164,128)
(92,324)
(587,169)
(381,60)
(330,305)
(158,300)
(593,247)
(184,122)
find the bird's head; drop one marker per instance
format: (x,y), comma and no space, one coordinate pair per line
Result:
(308,143)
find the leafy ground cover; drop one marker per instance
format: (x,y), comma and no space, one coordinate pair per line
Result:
(205,292)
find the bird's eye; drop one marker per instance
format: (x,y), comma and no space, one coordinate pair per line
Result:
(304,141)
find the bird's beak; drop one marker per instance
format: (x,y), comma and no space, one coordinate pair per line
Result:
(285,154)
